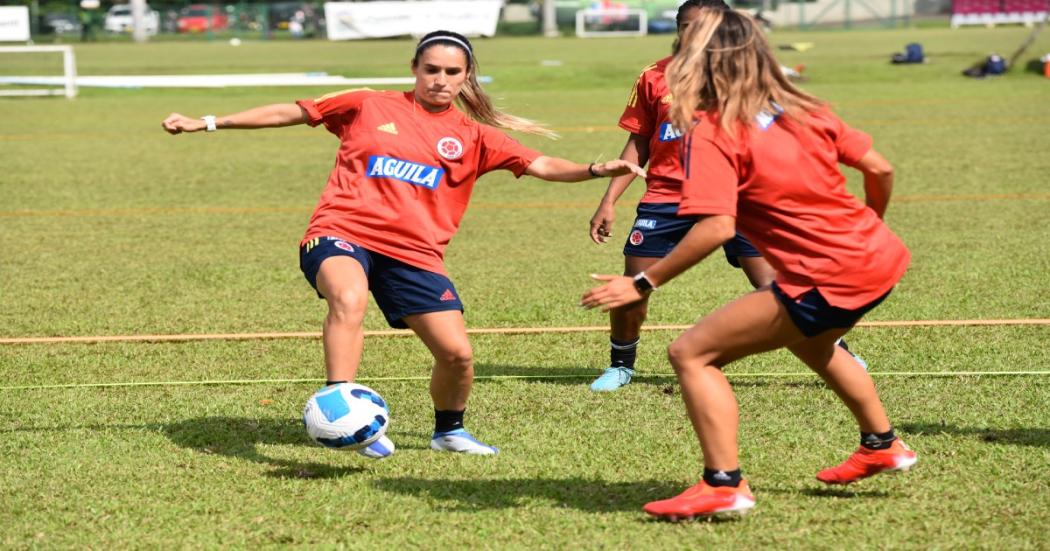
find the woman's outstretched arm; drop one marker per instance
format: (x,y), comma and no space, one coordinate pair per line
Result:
(267,116)
(554,169)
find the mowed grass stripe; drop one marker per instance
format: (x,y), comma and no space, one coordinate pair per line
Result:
(474,331)
(138,212)
(545,377)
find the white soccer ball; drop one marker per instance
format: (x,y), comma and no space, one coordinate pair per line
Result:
(235,41)
(346,416)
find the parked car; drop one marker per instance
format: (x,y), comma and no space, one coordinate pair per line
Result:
(118,20)
(198,18)
(60,23)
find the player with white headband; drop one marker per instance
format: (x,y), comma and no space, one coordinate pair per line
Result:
(404,173)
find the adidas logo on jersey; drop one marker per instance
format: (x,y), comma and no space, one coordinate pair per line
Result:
(766,119)
(389,128)
(447,295)
(668,133)
(406,171)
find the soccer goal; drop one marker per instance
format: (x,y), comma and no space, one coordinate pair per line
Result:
(68,83)
(593,23)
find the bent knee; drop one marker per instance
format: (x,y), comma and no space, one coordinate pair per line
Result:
(460,358)
(685,354)
(679,353)
(347,305)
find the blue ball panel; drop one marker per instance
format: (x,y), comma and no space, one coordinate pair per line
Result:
(332,405)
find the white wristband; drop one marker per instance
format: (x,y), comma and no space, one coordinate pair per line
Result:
(209,122)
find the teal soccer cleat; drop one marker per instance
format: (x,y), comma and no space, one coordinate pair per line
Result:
(612,379)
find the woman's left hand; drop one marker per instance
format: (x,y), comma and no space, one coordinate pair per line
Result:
(177,124)
(618,290)
(619,167)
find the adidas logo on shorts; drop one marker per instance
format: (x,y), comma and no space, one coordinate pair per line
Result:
(447,295)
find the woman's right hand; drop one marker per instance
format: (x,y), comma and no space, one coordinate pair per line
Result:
(602,222)
(177,124)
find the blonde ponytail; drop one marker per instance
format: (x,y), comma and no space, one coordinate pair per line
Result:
(473,99)
(725,65)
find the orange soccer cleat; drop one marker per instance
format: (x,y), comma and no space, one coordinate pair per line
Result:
(867,462)
(703,501)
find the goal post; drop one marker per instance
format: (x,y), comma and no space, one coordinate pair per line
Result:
(593,23)
(69,72)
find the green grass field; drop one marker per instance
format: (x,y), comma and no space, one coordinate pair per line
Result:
(108,226)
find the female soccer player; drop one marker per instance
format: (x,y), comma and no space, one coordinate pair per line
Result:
(658,227)
(763,157)
(404,173)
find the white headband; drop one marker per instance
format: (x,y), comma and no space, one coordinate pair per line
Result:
(465,46)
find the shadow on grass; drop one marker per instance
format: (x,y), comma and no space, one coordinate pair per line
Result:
(240,437)
(844,493)
(576,376)
(838,492)
(568,375)
(596,496)
(1022,436)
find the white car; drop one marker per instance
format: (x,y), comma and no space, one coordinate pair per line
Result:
(118,20)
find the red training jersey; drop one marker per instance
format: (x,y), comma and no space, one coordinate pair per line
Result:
(646,115)
(780,179)
(403,175)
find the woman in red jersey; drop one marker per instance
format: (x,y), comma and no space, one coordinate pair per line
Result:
(404,173)
(762,157)
(658,227)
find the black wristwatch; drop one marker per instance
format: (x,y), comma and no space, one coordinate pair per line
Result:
(642,284)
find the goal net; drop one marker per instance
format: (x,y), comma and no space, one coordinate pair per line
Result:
(591,23)
(22,67)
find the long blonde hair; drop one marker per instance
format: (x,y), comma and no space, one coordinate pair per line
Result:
(725,65)
(472,98)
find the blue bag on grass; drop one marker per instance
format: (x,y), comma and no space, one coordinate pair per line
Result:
(912,54)
(995,65)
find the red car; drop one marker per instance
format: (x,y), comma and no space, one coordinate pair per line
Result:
(198,18)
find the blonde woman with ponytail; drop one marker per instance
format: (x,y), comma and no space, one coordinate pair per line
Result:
(654,142)
(761,157)
(403,177)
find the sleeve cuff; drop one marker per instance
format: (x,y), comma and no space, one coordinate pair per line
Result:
(856,148)
(519,170)
(311,110)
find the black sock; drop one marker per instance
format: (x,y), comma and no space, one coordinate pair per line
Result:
(722,478)
(877,440)
(330,383)
(623,353)
(445,421)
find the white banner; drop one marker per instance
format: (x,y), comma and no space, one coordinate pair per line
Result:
(14,24)
(357,20)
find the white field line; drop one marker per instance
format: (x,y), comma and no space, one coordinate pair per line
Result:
(216,81)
